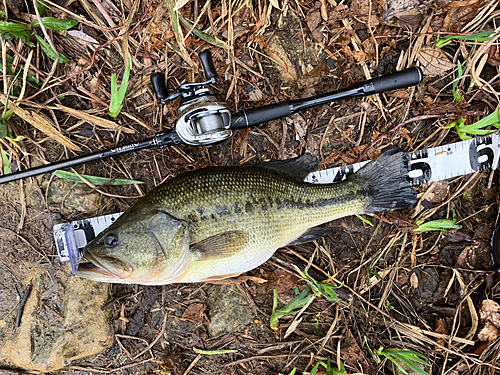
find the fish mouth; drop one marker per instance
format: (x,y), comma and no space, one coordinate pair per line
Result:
(89,267)
(92,267)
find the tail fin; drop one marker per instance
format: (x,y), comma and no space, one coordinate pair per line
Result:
(386,182)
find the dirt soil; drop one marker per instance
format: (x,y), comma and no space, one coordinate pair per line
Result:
(429,292)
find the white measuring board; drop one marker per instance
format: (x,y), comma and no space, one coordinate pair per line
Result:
(429,165)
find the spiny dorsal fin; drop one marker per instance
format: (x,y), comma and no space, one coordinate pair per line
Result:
(297,168)
(310,235)
(221,245)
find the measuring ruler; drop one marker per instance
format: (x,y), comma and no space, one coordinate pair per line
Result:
(429,165)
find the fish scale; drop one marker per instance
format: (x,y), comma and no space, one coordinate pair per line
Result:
(215,223)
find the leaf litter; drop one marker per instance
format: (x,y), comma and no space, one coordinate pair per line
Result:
(434,293)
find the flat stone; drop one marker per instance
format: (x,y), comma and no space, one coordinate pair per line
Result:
(228,310)
(61,322)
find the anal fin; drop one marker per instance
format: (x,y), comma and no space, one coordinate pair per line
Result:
(221,245)
(310,235)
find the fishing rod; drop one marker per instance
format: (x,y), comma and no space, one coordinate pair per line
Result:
(204,121)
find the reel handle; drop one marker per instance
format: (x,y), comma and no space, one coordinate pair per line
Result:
(208,65)
(159,86)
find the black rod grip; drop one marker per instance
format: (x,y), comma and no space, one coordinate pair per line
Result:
(208,64)
(399,80)
(159,86)
(256,116)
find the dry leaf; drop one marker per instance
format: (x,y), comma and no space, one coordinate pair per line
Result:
(490,311)
(94,120)
(196,312)
(179,4)
(275,4)
(488,333)
(414,280)
(83,39)
(42,124)
(434,61)
(440,328)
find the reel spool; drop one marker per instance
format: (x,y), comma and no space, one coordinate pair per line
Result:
(202,120)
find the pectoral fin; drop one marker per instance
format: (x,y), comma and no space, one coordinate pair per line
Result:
(221,245)
(310,235)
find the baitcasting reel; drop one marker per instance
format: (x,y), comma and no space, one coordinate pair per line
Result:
(201,119)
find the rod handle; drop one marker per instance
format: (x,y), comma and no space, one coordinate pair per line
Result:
(208,64)
(399,80)
(256,116)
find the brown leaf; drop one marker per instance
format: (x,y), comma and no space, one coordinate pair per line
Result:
(493,56)
(313,19)
(455,235)
(490,311)
(42,124)
(460,13)
(488,333)
(352,354)
(434,61)
(314,77)
(441,329)
(196,313)
(414,280)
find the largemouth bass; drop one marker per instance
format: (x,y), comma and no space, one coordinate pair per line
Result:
(216,223)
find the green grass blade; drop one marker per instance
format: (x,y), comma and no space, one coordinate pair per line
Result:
(94,179)
(479,37)
(6,163)
(30,78)
(118,96)
(437,225)
(13,27)
(200,34)
(413,366)
(41,8)
(52,23)
(213,352)
(364,219)
(49,51)
(297,303)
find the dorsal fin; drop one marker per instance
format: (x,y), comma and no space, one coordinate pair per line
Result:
(297,168)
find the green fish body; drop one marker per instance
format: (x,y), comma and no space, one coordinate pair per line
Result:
(219,222)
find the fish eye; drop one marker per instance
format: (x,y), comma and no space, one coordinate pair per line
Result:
(111,241)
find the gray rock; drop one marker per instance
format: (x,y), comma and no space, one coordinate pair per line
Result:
(430,281)
(228,310)
(75,197)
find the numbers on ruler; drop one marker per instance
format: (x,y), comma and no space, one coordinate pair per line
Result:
(420,171)
(343,172)
(480,155)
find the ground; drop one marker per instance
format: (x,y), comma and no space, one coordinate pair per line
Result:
(428,292)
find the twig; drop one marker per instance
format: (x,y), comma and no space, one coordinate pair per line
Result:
(22,304)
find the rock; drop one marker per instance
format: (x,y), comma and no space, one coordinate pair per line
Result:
(75,197)
(430,281)
(228,310)
(291,56)
(61,322)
